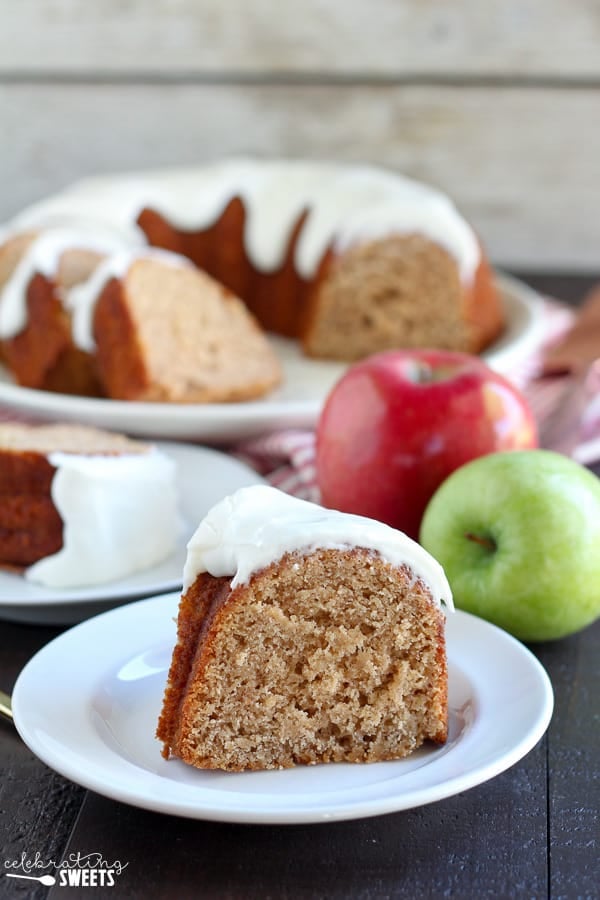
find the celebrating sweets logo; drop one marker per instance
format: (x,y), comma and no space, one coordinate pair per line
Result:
(76,870)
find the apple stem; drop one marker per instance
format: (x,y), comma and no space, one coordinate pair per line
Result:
(421,372)
(487,542)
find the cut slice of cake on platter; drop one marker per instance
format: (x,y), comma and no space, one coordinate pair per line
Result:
(37,269)
(162,330)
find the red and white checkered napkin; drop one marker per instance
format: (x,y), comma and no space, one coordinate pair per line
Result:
(287,458)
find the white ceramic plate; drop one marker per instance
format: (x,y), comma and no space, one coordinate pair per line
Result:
(204,477)
(92,716)
(296,404)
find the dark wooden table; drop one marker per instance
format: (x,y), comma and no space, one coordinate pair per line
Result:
(530,832)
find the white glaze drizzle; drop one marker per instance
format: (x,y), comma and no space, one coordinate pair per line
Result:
(43,256)
(257,525)
(345,204)
(81,300)
(120,516)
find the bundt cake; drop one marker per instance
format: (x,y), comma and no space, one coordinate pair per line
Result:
(304,635)
(349,259)
(80,506)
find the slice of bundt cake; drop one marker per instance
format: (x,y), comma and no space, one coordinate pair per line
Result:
(304,636)
(81,506)
(165,331)
(36,271)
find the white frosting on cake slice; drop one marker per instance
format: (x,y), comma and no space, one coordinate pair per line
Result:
(120,515)
(257,525)
(43,257)
(81,300)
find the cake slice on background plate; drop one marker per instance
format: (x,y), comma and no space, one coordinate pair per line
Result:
(80,506)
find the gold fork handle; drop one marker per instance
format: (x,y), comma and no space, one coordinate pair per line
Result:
(5,706)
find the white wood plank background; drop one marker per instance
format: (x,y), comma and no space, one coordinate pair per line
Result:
(386,37)
(498,102)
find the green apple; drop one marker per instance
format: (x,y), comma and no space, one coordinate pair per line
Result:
(518,534)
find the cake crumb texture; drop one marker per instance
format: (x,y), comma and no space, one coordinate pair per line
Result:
(401,291)
(331,656)
(173,334)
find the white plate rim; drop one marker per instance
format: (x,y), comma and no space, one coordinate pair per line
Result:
(236,421)
(41,718)
(143,583)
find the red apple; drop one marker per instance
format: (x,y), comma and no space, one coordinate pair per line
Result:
(398,423)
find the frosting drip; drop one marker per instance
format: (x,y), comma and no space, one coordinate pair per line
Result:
(257,525)
(345,204)
(81,300)
(43,256)
(120,516)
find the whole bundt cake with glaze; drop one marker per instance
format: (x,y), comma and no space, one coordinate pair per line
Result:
(348,259)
